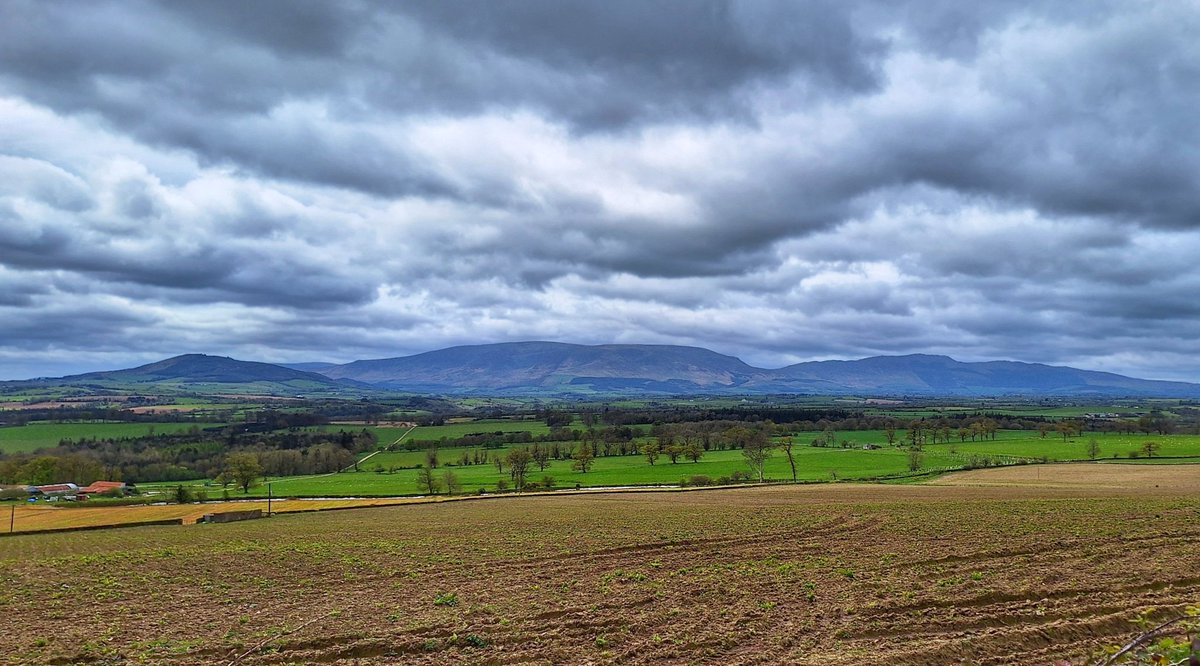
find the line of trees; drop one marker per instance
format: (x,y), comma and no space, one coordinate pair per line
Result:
(184,456)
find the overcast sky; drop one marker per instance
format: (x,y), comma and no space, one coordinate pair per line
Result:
(781,181)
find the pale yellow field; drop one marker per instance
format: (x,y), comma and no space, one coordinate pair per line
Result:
(29,518)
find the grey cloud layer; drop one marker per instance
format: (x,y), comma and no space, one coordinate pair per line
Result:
(778,180)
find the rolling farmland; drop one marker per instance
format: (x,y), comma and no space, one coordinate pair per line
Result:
(830,574)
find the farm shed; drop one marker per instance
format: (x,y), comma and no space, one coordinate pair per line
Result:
(58,490)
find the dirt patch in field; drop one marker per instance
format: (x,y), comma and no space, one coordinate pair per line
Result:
(45,405)
(1083,477)
(154,409)
(842,574)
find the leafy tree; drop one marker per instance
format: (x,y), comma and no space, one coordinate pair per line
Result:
(990,427)
(673,452)
(518,465)
(829,436)
(40,471)
(244,468)
(650,450)
(889,433)
(693,451)
(1150,448)
(431,457)
(1093,448)
(584,457)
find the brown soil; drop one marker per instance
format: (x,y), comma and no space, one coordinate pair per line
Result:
(843,574)
(1084,477)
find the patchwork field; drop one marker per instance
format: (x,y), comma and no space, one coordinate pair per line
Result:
(968,571)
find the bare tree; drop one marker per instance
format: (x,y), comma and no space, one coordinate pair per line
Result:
(427,482)
(453,485)
(541,456)
(1093,448)
(916,434)
(915,459)
(787,449)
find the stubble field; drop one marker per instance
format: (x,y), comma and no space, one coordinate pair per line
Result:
(842,574)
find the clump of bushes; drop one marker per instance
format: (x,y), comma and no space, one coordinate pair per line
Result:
(1175,641)
(700,480)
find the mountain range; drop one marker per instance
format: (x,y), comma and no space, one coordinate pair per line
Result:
(552,368)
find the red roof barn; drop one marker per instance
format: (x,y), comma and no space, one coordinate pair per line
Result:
(98,487)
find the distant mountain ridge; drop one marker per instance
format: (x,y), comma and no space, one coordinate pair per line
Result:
(515,365)
(190,371)
(205,368)
(540,367)
(555,368)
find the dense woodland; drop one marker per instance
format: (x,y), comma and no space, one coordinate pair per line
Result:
(190,455)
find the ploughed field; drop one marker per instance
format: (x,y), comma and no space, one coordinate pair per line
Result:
(986,573)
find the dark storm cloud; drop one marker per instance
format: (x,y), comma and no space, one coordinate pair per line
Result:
(775,179)
(59,326)
(151,69)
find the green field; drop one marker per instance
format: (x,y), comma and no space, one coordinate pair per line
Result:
(813,463)
(34,436)
(456,430)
